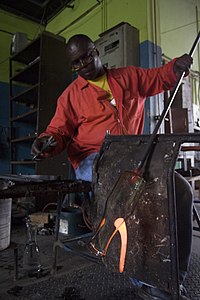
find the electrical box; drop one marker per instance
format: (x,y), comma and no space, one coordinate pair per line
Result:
(119,46)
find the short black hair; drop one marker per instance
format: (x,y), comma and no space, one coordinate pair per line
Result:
(78,39)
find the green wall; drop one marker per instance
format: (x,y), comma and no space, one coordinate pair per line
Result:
(179,24)
(104,16)
(171,24)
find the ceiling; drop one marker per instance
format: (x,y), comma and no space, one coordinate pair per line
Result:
(40,11)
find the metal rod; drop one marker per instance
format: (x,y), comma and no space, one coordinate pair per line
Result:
(166,109)
(174,282)
(15,264)
(190,148)
(21,189)
(197,218)
(55,250)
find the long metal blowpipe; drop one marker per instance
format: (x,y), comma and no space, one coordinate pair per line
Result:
(166,109)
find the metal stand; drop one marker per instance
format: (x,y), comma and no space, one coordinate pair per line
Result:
(59,206)
(152,238)
(196,216)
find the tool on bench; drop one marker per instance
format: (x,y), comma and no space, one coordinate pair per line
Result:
(125,194)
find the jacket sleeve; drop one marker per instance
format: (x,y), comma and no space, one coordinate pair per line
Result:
(156,80)
(63,124)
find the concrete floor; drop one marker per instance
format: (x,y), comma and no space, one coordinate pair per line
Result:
(76,277)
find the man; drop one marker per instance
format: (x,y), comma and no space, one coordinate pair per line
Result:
(102,100)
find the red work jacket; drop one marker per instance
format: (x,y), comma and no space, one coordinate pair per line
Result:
(84,114)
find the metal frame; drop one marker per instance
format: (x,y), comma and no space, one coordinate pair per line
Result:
(122,153)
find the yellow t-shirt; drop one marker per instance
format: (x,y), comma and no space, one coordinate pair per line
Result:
(103,84)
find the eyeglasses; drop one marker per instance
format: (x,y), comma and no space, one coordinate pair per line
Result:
(84,60)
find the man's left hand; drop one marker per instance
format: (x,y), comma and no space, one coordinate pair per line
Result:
(183,64)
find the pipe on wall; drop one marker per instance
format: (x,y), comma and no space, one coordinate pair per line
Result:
(80,17)
(158,102)
(154,30)
(198,55)
(104,15)
(197,26)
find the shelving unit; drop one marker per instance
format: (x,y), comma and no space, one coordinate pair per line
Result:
(38,75)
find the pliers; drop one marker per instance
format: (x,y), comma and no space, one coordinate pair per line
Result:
(50,142)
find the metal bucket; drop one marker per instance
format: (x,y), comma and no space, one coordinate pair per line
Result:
(71,222)
(5,222)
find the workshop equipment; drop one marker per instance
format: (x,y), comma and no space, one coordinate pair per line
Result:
(71,221)
(129,186)
(151,254)
(126,193)
(151,230)
(148,229)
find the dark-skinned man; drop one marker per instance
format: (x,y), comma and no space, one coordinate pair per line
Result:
(102,100)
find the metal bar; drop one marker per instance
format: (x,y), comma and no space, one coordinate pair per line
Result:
(15,263)
(14,188)
(197,218)
(190,148)
(174,283)
(55,247)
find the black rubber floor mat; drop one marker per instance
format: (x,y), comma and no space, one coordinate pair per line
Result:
(94,282)
(192,281)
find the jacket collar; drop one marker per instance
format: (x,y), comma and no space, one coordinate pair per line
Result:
(83,82)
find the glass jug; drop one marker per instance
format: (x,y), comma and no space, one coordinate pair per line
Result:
(31,256)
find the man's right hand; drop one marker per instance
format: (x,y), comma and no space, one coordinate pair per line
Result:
(42,145)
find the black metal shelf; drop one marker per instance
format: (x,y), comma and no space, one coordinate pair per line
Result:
(23,162)
(29,75)
(28,138)
(36,82)
(28,117)
(28,54)
(28,96)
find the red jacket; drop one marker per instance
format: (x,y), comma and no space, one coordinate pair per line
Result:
(84,114)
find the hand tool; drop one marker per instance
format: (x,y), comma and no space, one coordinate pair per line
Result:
(50,142)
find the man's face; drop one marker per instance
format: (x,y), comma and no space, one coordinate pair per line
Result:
(85,60)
